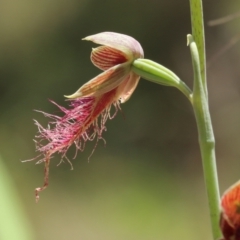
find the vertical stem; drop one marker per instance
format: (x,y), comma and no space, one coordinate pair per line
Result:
(206,140)
(199,37)
(201,109)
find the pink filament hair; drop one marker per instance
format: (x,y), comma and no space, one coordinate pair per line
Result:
(79,124)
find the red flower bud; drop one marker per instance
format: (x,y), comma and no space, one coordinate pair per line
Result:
(230,213)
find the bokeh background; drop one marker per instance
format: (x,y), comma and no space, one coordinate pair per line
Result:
(147,182)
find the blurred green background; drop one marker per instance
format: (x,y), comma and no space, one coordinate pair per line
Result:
(147,183)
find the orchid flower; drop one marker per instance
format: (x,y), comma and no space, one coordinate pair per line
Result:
(89,107)
(121,59)
(230,213)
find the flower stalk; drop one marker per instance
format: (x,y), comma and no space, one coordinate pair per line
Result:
(159,74)
(201,110)
(198,34)
(206,140)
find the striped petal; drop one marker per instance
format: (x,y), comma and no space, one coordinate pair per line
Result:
(105,57)
(129,86)
(122,42)
(104,82)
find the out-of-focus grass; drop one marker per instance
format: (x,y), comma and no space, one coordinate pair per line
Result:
(14,221)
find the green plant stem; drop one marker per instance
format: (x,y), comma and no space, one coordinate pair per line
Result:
(196,9)
(185,90)
(201,110)
(206,140)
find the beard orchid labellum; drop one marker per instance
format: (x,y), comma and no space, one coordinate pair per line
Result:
(89,107)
